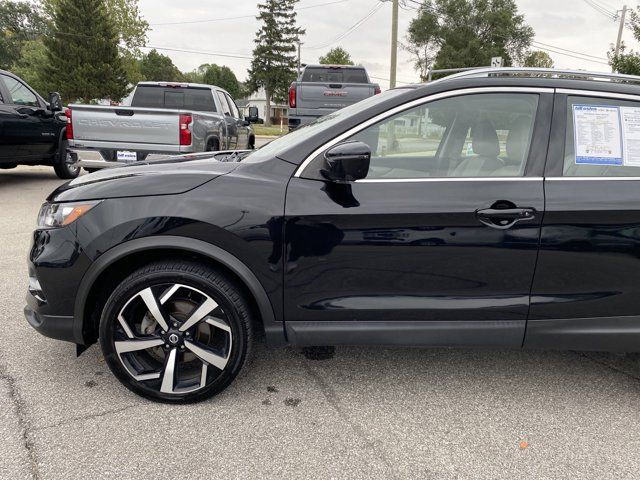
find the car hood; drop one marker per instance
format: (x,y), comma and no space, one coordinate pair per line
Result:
(165,177)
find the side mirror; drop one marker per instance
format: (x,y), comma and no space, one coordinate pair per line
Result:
(347,162)
(253,115)
(55,102)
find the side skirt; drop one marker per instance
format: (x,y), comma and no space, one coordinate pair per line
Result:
(605,334)
(506,334)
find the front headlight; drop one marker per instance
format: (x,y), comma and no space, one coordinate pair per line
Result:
(54,215)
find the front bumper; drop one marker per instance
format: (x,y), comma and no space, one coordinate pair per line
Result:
(52,326)
(57,265)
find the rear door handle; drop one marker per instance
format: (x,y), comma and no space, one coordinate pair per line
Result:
(503,218)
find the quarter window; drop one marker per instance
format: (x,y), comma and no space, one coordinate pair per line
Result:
(19,93)
(482,135)
(602,138)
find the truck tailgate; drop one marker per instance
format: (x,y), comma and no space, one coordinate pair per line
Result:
(331,96)
(126,125)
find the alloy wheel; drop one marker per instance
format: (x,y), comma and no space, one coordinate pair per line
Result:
(173,338)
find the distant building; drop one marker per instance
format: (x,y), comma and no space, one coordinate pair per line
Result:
(279,112)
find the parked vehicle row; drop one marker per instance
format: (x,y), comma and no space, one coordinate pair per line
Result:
(165,118)
(32,130)
(493,209)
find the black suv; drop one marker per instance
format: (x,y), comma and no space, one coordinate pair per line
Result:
(33,131)
(496,208)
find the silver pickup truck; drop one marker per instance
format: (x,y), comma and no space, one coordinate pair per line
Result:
(322,89)
(166,118)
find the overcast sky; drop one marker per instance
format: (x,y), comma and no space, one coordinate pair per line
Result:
(208,27)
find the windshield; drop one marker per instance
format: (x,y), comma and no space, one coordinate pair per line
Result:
(302,134)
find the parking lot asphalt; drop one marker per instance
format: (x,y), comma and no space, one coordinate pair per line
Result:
(364,413)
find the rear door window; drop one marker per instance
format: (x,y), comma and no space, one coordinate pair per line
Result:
(335,75)
(602,138)
(176,98)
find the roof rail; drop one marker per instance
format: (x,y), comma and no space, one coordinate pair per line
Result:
(550,72)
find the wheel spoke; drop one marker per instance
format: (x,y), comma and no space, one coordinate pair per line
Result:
(218,323)
(150,301)
(201,312)
(125,326)
(169,372)
(169,293)
(125,346)
(203,375)
(207,355)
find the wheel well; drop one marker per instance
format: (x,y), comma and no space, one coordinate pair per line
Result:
(123,267)
(212,141)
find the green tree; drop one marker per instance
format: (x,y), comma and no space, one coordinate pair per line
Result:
(336,56)
(274,57)
(156,67)
(31,65)
(20,22)
(83,59)
(539,59)
(223,77)
(467,33)
(625,62)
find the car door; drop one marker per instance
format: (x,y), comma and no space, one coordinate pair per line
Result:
(587,283)
(438,244)
(243,130)
(231,139)
(29,131)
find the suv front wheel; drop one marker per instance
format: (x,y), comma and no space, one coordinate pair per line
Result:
(176,332)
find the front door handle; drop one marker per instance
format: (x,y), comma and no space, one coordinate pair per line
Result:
(503,218)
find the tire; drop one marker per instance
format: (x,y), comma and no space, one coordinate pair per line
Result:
(65,163)
(205,356)
(213,146)
(252,142)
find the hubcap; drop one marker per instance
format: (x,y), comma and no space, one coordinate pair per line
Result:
(168,336)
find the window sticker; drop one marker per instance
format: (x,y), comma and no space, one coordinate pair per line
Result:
(631,135)
(597,135)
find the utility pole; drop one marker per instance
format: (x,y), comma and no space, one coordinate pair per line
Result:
(394,44)
(620,30)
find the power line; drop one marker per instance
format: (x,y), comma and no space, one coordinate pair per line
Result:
(200,52)
(210,20)
(600,9)
(351,29)
(567,50)
(547,49)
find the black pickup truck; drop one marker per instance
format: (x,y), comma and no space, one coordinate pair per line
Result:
(32,130)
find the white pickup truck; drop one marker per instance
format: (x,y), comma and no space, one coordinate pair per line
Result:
(165,118)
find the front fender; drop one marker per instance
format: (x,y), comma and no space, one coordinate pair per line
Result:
(274,330)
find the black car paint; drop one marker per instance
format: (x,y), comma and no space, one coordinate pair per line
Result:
(28,134)
(340,264)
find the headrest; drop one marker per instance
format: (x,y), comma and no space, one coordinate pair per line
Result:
(518,139)
(484,139)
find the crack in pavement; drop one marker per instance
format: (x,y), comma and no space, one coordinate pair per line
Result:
(608,366)
(332,398)
(19,406)
(83,417)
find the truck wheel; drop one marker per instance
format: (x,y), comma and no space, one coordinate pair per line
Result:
(252,142)
(65,163)
(108,155)
(213,146)
(176,331)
